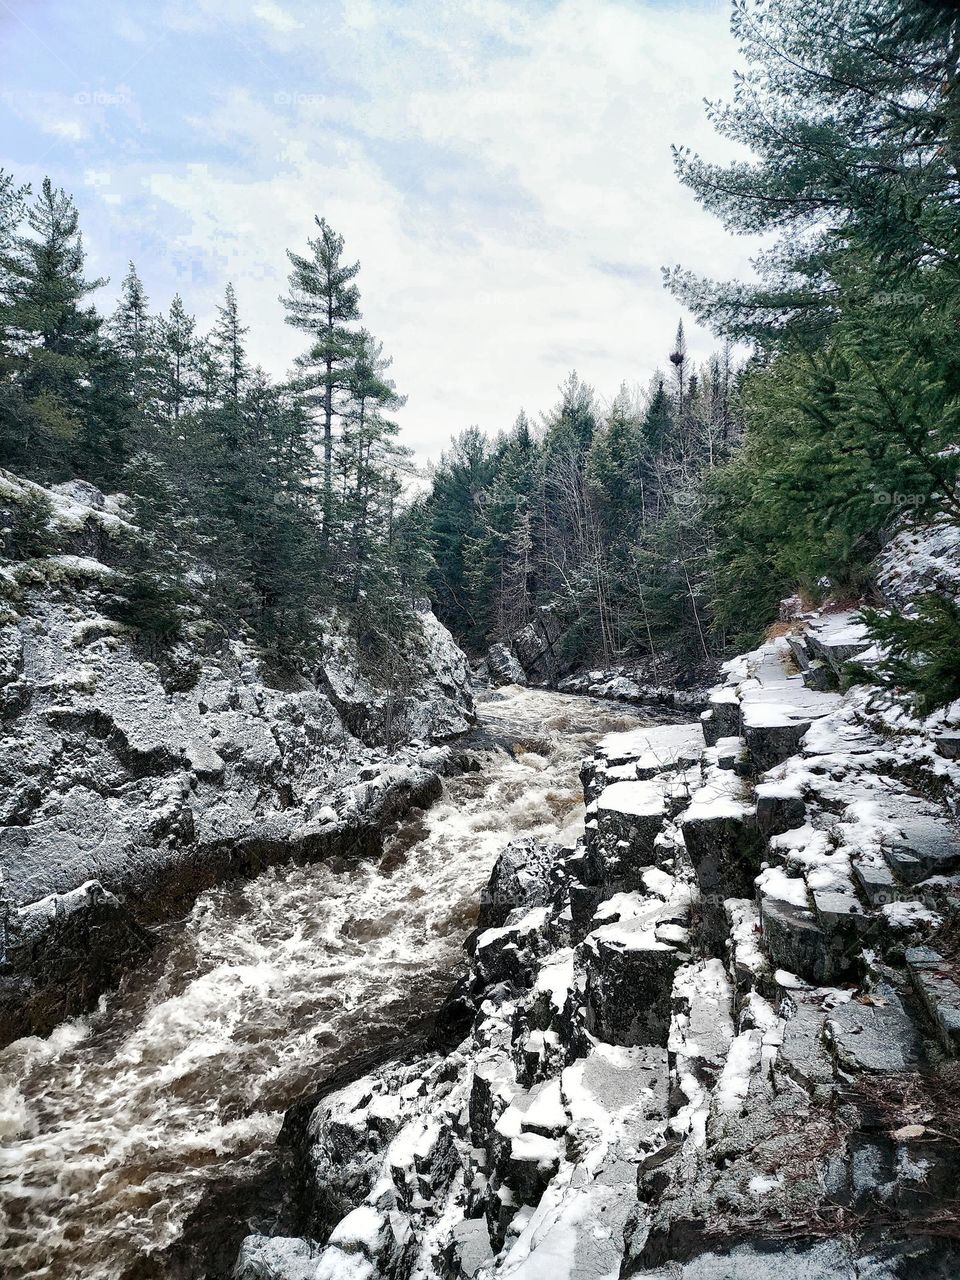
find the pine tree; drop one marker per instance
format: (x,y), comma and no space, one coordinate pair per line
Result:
(324,302)
(851,113)
(852,399)
(920,652)
(276,519)
(453,511)
(225,428)
(53,348)
(367,457)
(176,354)
(131,330)
(570,427)
(658,420)
(501,557)
(12,210)
(618,468)
(228,350)
(152,596)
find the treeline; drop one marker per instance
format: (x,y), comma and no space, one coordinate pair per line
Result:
(849,399)
(255,503)
(851,109)
(666,525)
(595,512)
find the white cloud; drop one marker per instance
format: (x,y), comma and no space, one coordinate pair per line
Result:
(70,130)
(505,179)
(276,18)
(130,30)
(359,14)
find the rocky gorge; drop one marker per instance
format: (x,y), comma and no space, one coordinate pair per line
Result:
(223,883)
(716,1039)
(705,1024)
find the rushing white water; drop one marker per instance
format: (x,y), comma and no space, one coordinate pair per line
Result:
(112,1128)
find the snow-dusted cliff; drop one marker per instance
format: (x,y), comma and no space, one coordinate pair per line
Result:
(130,784)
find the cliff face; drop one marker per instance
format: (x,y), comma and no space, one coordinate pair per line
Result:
(129,785)
(716,1040)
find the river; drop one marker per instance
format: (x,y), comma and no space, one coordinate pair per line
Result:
(114,1128)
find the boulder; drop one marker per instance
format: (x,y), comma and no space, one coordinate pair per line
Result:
(936,981)
(923,846)
(276,1258)
(503,666)
(629,983)
(720,834)
(525,875)
(467,1249)
(874,1034)
(369,1242)
(629,817)
(510,953)
(538,648)
(837,640)
(780,807)
(795,942)
(771,735)
(59,953)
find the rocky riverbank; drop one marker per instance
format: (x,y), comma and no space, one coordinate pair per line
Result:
(140,1140)
(538,655)
(131,783)
(717,1039)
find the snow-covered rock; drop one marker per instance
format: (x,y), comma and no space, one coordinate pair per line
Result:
(157,776)
(504,666)
(430,699)
(694,1033)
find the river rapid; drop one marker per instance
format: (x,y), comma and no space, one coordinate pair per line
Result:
(114,1128)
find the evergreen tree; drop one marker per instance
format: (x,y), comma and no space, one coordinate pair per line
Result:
(224,431)
(152,596)
(131,331)
(570,427)
(920,652)
(177,361)
(850,111)
(228,351)
(55,353)
(453,511)
(658,421)
(12,210)
(500,568)
(368,458)
(618,467)
(276,519)
(324,302)
(852,402)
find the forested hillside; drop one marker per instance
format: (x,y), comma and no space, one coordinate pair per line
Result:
(662,526)
(675,521)
(245,507)
(598,513)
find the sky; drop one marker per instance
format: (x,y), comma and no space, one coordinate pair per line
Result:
(500,168)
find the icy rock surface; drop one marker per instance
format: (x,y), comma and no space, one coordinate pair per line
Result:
(703,1039)
(158,778)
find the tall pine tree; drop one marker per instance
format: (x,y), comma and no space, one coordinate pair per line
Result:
(324,302)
